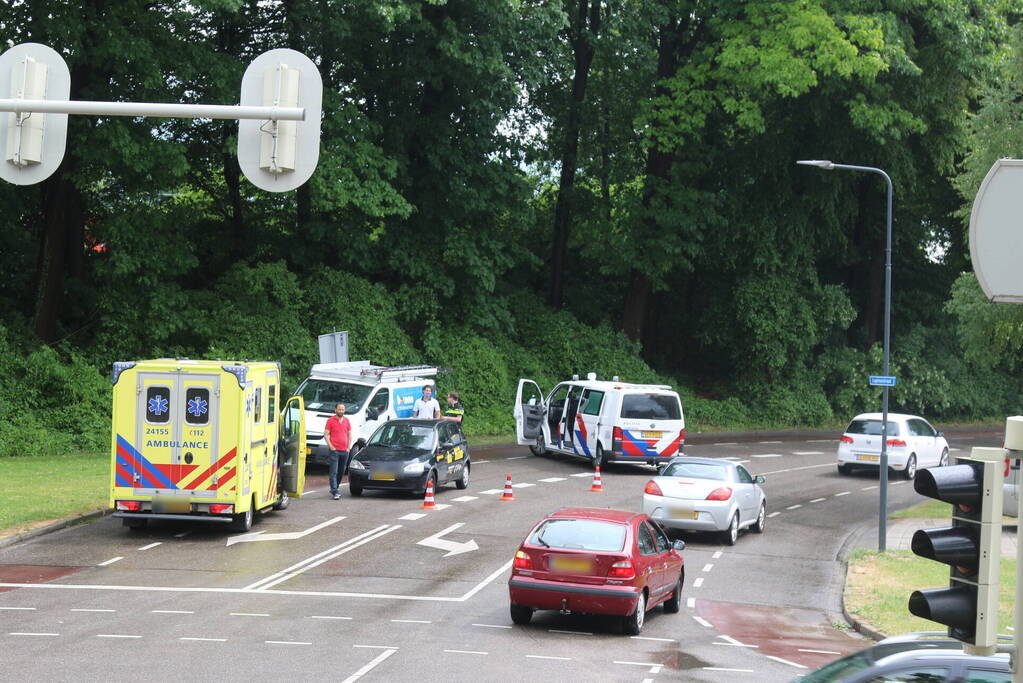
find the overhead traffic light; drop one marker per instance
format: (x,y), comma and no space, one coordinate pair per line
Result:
(971,547)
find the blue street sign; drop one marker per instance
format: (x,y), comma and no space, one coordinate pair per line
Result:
(882,381)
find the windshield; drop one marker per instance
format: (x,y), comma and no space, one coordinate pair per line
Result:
(651,407)
(323,394)
(871,428)
(403,434)
(696,470)
(580,534)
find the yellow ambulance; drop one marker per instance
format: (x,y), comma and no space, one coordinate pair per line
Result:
(204,441)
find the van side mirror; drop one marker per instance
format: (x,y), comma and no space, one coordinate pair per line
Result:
(759,479)
(372,413)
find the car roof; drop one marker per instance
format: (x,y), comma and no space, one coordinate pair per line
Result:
(891,416)
(703,461)
(602,514)
(606,385)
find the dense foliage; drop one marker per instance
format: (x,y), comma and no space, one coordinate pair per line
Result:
(527,188)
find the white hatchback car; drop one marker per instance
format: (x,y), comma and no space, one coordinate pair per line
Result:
(912,443)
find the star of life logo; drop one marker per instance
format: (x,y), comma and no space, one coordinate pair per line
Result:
(158,405)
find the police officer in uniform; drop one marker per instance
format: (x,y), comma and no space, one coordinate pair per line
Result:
(454,411)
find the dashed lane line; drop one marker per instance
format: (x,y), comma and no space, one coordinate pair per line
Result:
(110,561)
(327,616)
(287,642)
(413,516)
(27,609)
(550,480)
(151,545)
(22,633)
(707,567)
(773,514)
(818,500)
(411,621)
(560,659)
(491,492)
(204,640)
(793,507)
(659,640)
(807,452)
(466,652)
(843,493)
(171,611)
(492,625)
(83,609)
(522,485)
(769,442)
(819,652)
(116,635)
(766,455)
(464,499)
(785,661)
(248,614)
(717,555)
(698,582)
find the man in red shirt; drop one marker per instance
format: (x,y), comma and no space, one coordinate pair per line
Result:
(337,434)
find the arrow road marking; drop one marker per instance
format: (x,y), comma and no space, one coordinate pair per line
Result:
(285,536)
(453,547)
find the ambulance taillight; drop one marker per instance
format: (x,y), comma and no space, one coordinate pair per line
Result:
(616,440)
(129,505)
(221,509)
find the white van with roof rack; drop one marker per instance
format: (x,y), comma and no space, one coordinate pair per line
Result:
(601,421)
(372,394)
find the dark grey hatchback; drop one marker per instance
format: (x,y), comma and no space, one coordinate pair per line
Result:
(405,455)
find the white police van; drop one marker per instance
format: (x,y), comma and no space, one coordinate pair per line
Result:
(601,421)
(372,394)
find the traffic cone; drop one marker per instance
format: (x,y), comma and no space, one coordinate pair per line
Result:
(428,503)
(597,486)
(508,493)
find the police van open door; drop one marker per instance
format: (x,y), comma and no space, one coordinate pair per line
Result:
(292,447)
(530,416)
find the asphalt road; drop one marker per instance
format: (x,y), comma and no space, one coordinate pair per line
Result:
(365,588)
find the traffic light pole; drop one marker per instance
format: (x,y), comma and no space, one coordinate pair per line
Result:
(1014,450)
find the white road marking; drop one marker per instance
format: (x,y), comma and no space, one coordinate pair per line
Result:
(571,633)
(774,514)
(248,614)
(691,603)
(324,616)
(867,488)
(369,667)
(953,450)
(560,659)
(698,582)
(716,555)
(646,664)
(204,640)
(725,443)
(171,611)
(731,457)
(551,480)
(491,626)
(805,467)
(733,642)
(660,640)
(82,609)
(18,608)
(769,442)
(766,455)
(807,452)
(742,462)
(821,652)
(785,661)
(898,483)
(793,507)
(412,516)
(452,547)
(477,462)
(517,457)
(522,485)
(285,536)
(463,499)
(582,474)
(843,493)
(817,500)
(411,621)
(377,647)
(322,557)
(821,441)
(490,492)
(466,652)
(151,545)
(110,561)
(721,668)
(707,567)
(16,633)
(702,622)
(183,534)
(286,642)
(441,506)
(115,635)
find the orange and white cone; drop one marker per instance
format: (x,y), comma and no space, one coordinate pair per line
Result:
(597,486)
(508,493)
(428,503)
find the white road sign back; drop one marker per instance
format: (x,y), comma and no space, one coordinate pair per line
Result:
(996,232)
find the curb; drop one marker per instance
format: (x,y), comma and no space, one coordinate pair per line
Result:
(842,574)
(55,526)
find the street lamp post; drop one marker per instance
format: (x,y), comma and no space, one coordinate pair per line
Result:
(883,508)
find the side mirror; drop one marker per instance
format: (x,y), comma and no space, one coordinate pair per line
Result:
(372,413)
(941,433)
(678,545)
(759,479)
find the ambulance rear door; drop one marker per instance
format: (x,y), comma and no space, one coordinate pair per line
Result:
(292,447)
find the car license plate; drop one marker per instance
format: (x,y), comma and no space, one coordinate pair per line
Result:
(652,435)
(870,458)
(685,514)
(382,476)
(171,506)
(570,564)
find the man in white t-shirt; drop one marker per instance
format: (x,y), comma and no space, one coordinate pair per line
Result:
(426,408)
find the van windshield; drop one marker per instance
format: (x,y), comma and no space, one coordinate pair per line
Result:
(651,407)
(322,394)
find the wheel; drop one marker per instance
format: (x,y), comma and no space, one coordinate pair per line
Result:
(944,458)
(541,446)
(731,534)
(910,470)
(674,603)
(354,451)
(283,502)
(137,524)
(433,478)
(758,526)
(599,459)
(463,481)
(520,614)
(243,521)
(354,489)
(633,623)
(845,469)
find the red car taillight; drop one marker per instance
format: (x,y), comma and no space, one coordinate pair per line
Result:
(723,493)
(129,505)
(896,442)
(616,439)
(621,570)
(652,488)
(522,561)
(221,508)
(845,439)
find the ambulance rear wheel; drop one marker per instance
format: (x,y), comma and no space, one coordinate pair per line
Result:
(243,522)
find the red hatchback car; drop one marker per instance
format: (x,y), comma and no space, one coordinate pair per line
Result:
(597,561)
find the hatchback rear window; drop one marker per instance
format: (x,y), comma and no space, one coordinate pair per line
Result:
(580,534)
(871,428)
(696,470)
(651,407)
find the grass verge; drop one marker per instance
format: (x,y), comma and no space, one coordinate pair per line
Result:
(41,489)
